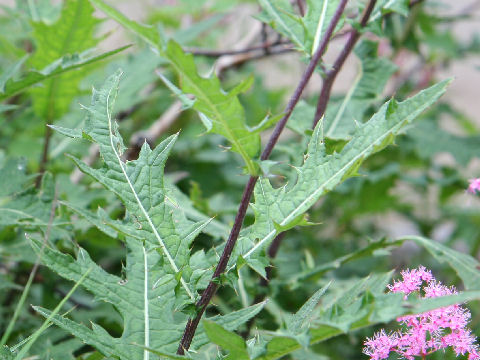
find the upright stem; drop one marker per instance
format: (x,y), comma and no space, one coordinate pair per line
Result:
(212,287)
(337,65)
(322,105)
(329,80)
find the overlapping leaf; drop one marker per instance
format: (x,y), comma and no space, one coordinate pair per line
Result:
(429,139)
(72,33)
(467,267)
(360,305)
(59,66)
(277,210)
(305,32)
(341,117)
(22,204)
(220,111)
(160,275)
(388,6)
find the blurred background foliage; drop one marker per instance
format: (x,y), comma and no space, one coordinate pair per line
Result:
(417,187)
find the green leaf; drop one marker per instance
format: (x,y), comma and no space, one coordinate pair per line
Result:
(301,118)
(10,73)
(57,67)
(367,251)
(24,349)
(72,133)
(214,227)
(429,139)
(6,354)
(279,15)
(341,117)
(220,111)
(160,276)
(147,33)
(298,324)
(94,219)
(145,299)
(227,340)
(321,172)
(72,33)
(467,268)
(29,207)
(187,103)
(387,6)
(304,32)
(134,182)
(316,20)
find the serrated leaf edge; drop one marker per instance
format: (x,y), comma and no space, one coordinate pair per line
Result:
(137,199)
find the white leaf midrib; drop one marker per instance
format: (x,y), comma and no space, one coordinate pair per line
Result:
(321,188)
(146,353)
(150,223)
(316,40)
(378,13)
(345,102)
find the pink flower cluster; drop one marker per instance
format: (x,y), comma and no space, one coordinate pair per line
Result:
(474,186)
(425,333)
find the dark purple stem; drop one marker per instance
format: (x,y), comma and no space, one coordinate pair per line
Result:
(212,287)
(301,7)
(337,65)
(322,104)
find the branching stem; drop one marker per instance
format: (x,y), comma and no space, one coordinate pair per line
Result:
(212,287)
(339,62)
(321,106)
(326,90)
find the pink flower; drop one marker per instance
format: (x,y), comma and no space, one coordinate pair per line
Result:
(474,186)
(412,279)
(380,345)
(428,332)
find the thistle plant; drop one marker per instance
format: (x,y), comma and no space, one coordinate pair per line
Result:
(194,194)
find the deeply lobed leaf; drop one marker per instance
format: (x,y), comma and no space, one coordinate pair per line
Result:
(305,32)
(277,210)
(72,33)
(220,111)
(160,276)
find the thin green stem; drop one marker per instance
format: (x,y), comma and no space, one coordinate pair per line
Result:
(26,289)
(48,320)
(19,307)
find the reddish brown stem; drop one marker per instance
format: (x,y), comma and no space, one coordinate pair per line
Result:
(301,7)
(325,96)
(339,62)
(212,287)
